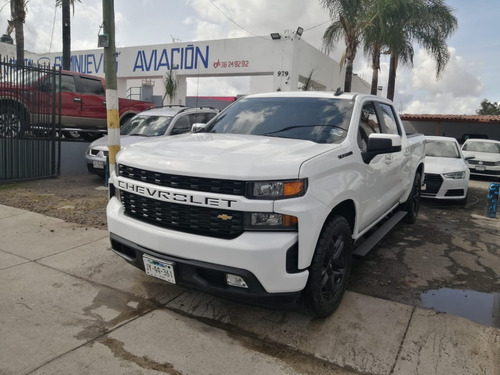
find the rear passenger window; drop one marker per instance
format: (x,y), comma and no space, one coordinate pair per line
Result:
(182,125)
(391,126)
(67,83)
(203,118)
(92,86)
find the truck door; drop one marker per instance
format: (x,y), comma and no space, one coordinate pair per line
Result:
(93,102)
(381,184)
(71,106)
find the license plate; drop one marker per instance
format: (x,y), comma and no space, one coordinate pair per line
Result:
(159,268)
(480,168)
(98,164)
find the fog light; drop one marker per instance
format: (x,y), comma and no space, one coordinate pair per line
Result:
(235,280)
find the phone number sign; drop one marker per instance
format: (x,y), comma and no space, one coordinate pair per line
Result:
(231,64)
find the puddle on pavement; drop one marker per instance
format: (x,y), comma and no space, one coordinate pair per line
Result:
(479,307)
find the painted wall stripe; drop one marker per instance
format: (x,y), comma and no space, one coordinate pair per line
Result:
(113,119)
(113,150)
(111,99)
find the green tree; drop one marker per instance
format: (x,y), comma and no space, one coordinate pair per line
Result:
(489,108)
(66,30)
(170,84)
(426,22)
(349,20)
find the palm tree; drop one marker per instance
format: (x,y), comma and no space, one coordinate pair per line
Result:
(18,16)
(66,30)
(349,20)
(380,34)
(170,84)
(426,22)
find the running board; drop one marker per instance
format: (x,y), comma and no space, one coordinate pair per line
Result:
(374,239)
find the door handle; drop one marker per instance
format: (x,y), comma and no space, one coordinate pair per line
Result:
(77,100)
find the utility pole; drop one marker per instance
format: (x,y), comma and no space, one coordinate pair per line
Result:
(66,34)
(108,13)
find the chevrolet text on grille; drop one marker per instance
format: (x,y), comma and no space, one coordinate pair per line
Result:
(175,196)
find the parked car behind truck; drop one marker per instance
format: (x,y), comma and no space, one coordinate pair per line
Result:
(446,171)
(483,157)
(271,200)
(155,122)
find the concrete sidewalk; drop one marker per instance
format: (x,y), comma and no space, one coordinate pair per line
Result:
(69,305)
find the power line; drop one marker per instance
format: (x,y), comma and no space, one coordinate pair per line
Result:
(248,31)
(230,19)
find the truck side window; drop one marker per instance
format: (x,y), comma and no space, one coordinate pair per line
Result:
(368,124)
(92,86)
(67,83)
(391,125)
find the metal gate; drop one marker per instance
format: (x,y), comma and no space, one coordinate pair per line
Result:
(30,132)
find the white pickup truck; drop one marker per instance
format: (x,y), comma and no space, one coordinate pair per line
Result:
(271,199)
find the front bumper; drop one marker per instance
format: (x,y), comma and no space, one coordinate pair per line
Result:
(438,187)
(206,277)
(490,171)
(259,256)
(96,164)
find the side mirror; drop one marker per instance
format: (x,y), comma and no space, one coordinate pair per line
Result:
(381,144)
(198,127)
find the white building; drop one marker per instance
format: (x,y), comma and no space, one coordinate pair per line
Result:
(272,64)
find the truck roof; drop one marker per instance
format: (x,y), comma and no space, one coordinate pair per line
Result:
(316,94)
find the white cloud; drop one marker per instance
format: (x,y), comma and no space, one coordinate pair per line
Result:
(455,80)
(443,103)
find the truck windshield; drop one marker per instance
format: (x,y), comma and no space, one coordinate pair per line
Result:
(321,120)
(146,126)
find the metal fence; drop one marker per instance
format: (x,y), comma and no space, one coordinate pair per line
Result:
(30,132)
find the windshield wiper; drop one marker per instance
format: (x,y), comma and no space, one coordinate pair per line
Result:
(301,126)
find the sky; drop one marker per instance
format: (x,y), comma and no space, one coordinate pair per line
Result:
(471,75)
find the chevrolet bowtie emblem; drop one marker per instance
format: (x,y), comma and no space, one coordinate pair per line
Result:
(224,217)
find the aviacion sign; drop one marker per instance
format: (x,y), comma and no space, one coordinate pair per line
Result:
(182,58)
(190,57)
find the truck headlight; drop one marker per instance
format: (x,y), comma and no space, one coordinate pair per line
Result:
(270,221)
(276,189)
(455,175)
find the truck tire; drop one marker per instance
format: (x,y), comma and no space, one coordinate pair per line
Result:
(412,204)
(330,268)
(13,122)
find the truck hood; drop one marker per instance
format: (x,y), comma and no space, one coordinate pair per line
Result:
(125,140)
(230,156)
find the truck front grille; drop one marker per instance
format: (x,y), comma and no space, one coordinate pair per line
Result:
(209,185)
(184,218)
(432,183)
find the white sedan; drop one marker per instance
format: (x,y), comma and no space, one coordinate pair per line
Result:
(446,171)
(483,157)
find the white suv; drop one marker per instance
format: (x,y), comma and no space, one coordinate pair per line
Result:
(155,122)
